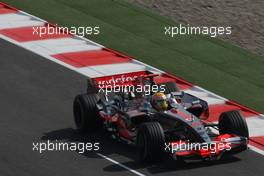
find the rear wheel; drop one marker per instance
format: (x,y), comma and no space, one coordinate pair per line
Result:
(232,122)
(91,87)
(170,87)
(86,115)
(150,141)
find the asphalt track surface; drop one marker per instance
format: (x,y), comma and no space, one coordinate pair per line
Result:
(36,105)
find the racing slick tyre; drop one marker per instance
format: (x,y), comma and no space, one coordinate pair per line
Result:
(86,115)
(150,141)
(232,122)
(91,87)
(170,87)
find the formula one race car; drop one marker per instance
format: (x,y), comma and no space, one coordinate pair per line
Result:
(152,114)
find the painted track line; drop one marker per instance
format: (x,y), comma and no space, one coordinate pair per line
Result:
(120,165)
(255,149)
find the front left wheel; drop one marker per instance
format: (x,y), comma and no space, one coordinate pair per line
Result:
(150,141)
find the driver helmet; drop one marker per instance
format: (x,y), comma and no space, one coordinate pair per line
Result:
(159,101)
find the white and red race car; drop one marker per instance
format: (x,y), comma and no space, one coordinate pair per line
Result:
(180,131)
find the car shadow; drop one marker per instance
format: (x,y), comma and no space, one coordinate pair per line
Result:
(109,147)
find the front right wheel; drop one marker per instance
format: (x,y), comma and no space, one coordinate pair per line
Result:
(232,122)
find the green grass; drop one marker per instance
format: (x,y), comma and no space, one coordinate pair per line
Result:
(210,63)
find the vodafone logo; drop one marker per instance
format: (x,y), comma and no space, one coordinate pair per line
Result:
(114,80)
(117,79)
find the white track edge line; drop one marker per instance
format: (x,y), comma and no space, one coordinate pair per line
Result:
(121,165)
(255,149)
(209,92)
(83,38)
(43,55)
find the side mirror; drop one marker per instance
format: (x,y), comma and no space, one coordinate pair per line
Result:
(177,94)
(196,102)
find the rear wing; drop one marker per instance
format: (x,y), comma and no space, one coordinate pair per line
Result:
(119,79)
